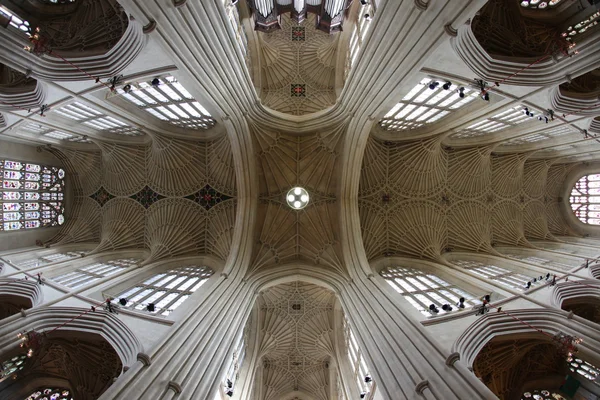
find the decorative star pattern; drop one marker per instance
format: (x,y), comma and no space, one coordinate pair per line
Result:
(102,196)
(146,197)
(208,197)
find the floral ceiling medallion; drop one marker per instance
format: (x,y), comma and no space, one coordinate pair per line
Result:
(208,197)
(147,197)
(102,196)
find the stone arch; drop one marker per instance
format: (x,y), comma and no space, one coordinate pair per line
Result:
(580,297)
(17,295)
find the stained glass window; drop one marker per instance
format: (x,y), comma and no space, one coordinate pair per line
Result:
(15,21)
(574,31)
(495,273)
(538,4)
(421,289)
(167,290)
(91,273)
(585,369)
(167,99)
(50,394)
(357,360)
(427,102)
(585,199)
(542,395)
(13,365)
(32,195)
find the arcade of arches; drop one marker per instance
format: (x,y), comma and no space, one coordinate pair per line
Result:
(299,200)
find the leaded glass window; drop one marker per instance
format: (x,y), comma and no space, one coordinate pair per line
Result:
(495,273)
(47,259)
(542,395)
(32,195)
(167,290)
(424,105)
(421,289)
(45,132)
(539,5)
(361,27)
(585,369)
(585,199)
(503,120)
(87,115)
(543,262)
(233,370)
(91,273)
(540,136)
(15,21)
(358,364)
(574,31)
(13,365)
(168,100)
(50,394)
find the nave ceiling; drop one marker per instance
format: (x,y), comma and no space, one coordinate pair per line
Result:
(417,196)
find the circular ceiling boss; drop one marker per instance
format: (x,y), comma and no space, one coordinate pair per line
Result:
(297,198)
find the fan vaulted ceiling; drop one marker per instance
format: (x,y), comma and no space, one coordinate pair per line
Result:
(311,120)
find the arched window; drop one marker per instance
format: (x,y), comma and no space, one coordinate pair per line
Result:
(357,361)
(542,395)
(47,259)
(32,195)
(585,199)
(50,394)
(542,261)
(15,364)
(90,273)
(421,289)
(427,102)
(167,290)
(361,27)
(495,273)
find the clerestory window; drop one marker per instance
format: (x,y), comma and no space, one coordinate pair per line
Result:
(47,259)
(585,199)
(358,364)
(50,394)
(168,290)
(84,114)
(422,290)
(495,273)
(91,273)
(430,100)
(503,120)
(167,99)
(32,195)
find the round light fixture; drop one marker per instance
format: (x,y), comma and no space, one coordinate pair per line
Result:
(297,198)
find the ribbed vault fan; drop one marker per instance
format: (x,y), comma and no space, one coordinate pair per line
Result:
(122,225)
(124,168)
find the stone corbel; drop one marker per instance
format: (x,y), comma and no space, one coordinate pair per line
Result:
(179,3)
(144,359)
(224,275)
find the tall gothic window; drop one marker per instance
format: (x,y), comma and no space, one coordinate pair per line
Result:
(537,4)
(495,273)
(542,395)
(357,361)
(47,259)
(585,369)
(91,273)
(32,195)
(50,394)
(585,199)
(361,27)
(167,290)
(421,289)
(427,102)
